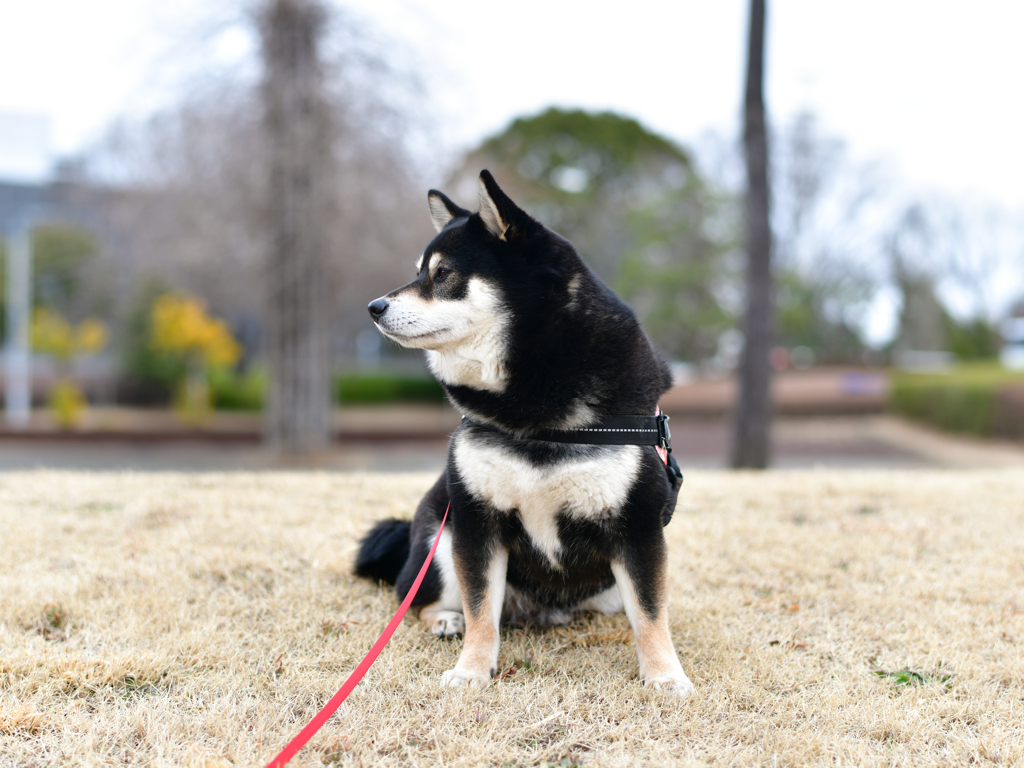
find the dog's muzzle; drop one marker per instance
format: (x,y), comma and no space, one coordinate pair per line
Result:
(377,308)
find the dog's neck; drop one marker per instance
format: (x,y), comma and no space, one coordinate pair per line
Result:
(480,381)
(477,362)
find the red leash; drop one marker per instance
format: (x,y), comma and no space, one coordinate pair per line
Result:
(331,706)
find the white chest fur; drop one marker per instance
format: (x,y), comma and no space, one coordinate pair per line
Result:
(588,487)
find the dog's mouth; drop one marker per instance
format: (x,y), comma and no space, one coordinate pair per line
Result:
(412,338)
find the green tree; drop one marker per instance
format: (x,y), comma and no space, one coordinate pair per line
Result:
(67,275)
(635,207)
(61,257)
(672,272)
(974,339)
(810,312)
(824,241)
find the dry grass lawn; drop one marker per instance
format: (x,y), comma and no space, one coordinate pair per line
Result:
(826,617)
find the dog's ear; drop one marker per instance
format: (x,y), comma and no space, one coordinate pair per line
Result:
(500,215)
(443,210)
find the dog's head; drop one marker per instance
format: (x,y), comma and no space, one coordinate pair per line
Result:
(510,315)
(460,304)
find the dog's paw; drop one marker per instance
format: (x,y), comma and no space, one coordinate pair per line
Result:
(456,678)
(448,624)
(677,684)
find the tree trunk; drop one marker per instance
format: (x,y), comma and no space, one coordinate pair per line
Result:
(752,414)
(298,131)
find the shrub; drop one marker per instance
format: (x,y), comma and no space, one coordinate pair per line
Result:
(180,326)
(54,336)
(245,391)
(964,400)
(231,391)
(386,388)
(67,403)
(151,373)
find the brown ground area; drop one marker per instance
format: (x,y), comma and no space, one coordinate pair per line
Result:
(826,617)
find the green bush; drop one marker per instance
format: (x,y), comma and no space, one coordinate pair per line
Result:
(964,400)
(386,388)
(244,392)
(973,340)
(237,391)
(152,373)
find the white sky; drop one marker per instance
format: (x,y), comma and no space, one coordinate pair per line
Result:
(932,88)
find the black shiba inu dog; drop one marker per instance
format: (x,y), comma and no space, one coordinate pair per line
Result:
(526,339)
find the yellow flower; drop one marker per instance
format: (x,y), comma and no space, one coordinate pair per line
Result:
(90,336)
(67,402)
(181,325)
(53,335)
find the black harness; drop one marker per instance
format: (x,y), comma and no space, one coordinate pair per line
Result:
(615,430)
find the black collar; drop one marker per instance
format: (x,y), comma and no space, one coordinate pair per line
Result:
(607,430)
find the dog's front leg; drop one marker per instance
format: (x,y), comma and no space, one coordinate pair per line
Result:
(642,584)
(482,583)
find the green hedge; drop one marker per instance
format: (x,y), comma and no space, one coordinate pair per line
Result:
(237,391)
(963,400)
(386,388)
(244,392)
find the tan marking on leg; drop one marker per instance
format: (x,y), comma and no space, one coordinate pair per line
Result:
(479,657)
(659,663)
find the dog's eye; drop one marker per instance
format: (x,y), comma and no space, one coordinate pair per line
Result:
(441,274)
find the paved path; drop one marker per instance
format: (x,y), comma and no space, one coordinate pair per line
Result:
(851,441)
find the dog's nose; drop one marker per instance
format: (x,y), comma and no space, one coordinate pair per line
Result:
(377,308)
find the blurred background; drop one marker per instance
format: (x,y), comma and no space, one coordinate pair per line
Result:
(198,200)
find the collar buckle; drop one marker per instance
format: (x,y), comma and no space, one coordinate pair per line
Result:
(664,434)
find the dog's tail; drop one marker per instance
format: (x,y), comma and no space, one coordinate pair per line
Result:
(384,550)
